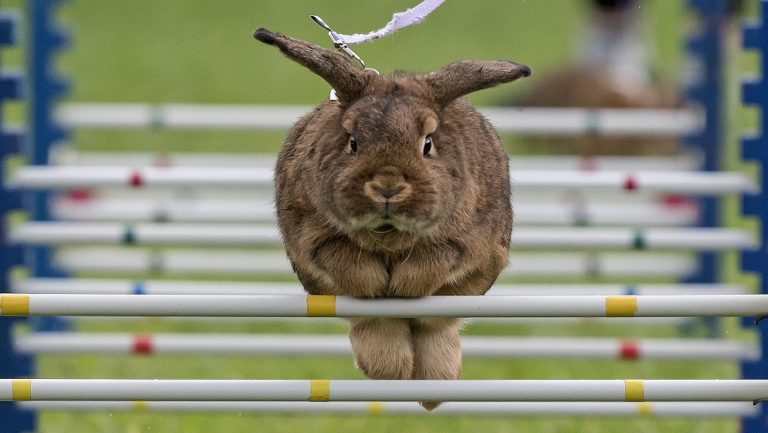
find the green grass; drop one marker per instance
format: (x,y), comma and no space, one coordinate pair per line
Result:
(198,51)
(141,422)
(202,51)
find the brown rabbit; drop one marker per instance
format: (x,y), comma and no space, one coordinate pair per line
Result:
(398,189)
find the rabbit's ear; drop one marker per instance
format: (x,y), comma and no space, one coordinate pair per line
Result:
(346,77)
(461,78)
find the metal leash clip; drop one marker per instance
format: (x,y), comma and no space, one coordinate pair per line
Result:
(338,43)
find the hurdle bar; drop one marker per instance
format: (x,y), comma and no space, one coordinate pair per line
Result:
(67,177)
(384,390)
(265,193)
(178,234)
(190,287)
(166,287)
(313,345)
(336,321)
(234,288)
(339,306)
(588,409)
(187,262)
(191,209)
(521,120)
(68,156)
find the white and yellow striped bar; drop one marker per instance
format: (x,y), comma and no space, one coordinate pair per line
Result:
(608,409)
(524,120)
(85,286)
(384,390)
(432,306)
(67,177)
(187,262)
(708,239)
(313,345)
(505,321)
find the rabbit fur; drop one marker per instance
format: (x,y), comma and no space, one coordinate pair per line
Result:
(398,189)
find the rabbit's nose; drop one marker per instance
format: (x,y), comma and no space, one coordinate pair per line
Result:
(389,191)
(386,190)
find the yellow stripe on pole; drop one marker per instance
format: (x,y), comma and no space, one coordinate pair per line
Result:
(14,305)
(644,408)
(21,389)
(321,306)
(320,390)
(375,407)
(140,405)
(634,390)
(620,306)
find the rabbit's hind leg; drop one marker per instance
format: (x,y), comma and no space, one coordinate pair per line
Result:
(382,347)
(437,351)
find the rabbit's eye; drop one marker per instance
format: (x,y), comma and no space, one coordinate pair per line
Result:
(352,145)
(427,145)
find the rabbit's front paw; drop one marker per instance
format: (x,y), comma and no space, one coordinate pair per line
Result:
(422,273)
(347,270)
(413,282)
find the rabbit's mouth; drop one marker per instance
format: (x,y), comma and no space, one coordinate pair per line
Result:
(388,235)
(384,228)
(389,225)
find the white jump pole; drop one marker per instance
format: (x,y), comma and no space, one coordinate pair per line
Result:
(252,263)
(68,156)
(711,239)
(264,194)
(179,210)
(384,390)
(67,177)
(432,306)
(613,409)
(146,234)
(190,287)
(523,120)
(504,321)
(312,345)
(184,209)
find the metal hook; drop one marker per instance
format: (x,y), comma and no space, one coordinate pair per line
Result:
(334,36)
(758,401)
(338,42)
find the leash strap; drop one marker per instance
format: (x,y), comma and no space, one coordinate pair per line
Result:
(399,20)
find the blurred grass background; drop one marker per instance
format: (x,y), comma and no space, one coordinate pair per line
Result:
(200,51)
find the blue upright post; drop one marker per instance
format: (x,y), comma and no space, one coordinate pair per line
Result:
(11,364)
(45,42)
(755,148)
(705,91)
